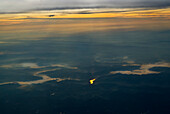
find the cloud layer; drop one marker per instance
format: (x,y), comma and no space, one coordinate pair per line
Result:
(143,70)
(44,77)
(24,5)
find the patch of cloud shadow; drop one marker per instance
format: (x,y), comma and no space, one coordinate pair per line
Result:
(51,15)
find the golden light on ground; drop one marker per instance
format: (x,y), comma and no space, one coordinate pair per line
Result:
(92,81)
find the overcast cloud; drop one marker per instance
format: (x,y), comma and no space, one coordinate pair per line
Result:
(25,5)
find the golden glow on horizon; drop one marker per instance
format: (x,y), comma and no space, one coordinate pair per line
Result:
(90,13)
(123,13)
(92,81)
(38,24)
(38,29)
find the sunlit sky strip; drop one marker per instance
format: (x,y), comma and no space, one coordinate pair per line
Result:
(91,13)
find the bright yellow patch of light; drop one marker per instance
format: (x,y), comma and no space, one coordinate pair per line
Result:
(92,81)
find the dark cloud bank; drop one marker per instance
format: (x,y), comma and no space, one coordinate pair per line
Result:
(11,6)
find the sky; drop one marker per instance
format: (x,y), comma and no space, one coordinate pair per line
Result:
(27,5)
(14,12)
